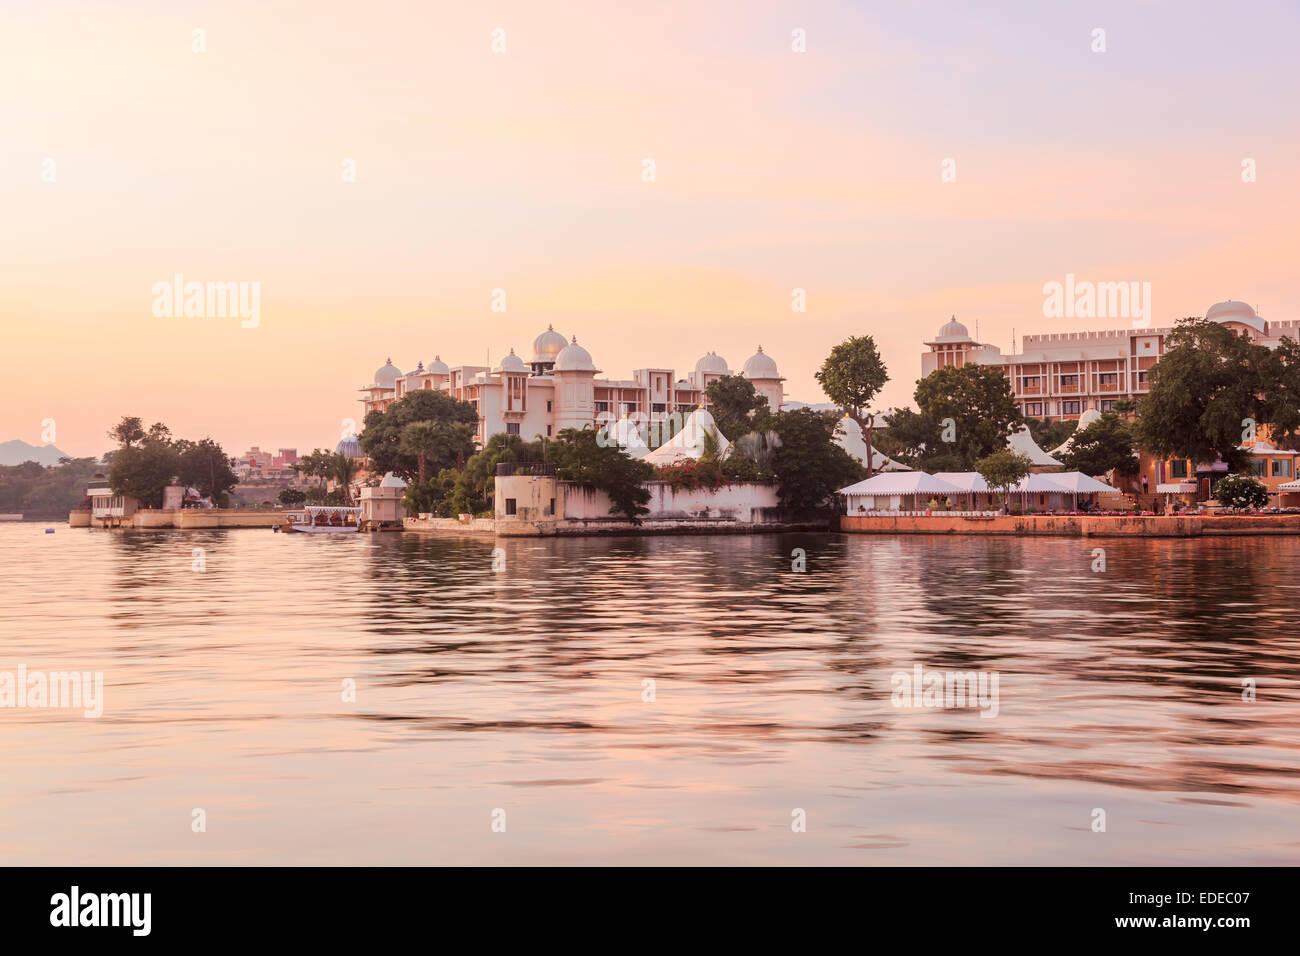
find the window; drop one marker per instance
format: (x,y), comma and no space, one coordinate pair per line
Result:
(1033,408)
(600,406)
(1257,467)
(548,431)
(1070,408)
(510,506)
(1281,468)
(1108,378)
(1107,404)
(512,428)
(1178,468)
(1031,381)
(659,407)
(548,406)
(550,509)
(1142,378)
(1069,380)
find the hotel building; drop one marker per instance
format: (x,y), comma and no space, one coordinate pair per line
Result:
(1061,375)
(560,387)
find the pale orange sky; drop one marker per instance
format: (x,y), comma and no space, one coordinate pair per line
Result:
(522,170)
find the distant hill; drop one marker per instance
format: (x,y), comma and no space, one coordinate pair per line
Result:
(18,451)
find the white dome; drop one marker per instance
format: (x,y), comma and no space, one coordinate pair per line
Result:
(1233,311)
(548,345)
(392,481)
(759,366)
(574,358)
(952,329)
(712,362)
(512,363)
(438,367)
(388,374)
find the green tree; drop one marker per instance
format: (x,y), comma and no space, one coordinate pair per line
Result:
(1281,393)
(476,483)
(1003,470)
(128,432)
(292,497)
(1240,492)
(381,438)
(808,466)
(1105,445)
(439,441)
(580,458)
(143,471)
(343,469)
(205,466)
(973,406)
(1209,381)
(735,404)
(852,375)
(914,439)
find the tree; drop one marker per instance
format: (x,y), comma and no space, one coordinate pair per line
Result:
(143,471)
(1281,393)
(381,439)
(734,404)
(343,469)
(852,375)
(914,439)
(974,408)
(1105,445)
(580,458)
(1003,470)
(1209,382)
(206,467)
(437,440)
(128,432)
(1239,492)
(474,485)
(292,497)
(808,466)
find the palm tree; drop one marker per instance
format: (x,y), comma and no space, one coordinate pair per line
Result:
(343,469)
(422,439)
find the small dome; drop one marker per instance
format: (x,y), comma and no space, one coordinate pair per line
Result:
(512,363)
(350,446)
(574,358)
(392,481)
(438,367)
(952,329)
(548,345)
(419,370)
(759,366)
(1233,311)
(388,374)
(712,362)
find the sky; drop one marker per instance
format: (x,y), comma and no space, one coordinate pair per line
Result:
(130,157)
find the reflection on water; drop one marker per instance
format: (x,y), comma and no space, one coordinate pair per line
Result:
(650,700)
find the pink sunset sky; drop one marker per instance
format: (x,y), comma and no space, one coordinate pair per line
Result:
(522,170)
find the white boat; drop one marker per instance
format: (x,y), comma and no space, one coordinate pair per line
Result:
(324,519)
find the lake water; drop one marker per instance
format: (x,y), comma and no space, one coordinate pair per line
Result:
(523,697)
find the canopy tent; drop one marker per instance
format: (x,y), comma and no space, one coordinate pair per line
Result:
(1289,485)
(1086,419)
(849,437)
(865,495)
(689,443)
(627,436)
(1078,483)
(1176,488)
(1022,443)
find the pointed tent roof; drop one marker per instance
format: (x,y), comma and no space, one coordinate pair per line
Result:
(1022,443)
(624,432)
(1086,419)
(688,444)
(849,437)
(965,480)
(1077,482)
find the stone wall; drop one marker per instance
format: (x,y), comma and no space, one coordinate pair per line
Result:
(1140,526)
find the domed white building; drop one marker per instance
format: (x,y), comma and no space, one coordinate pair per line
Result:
(561,387)
(1064,375)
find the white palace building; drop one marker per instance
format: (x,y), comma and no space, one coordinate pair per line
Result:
(559,388)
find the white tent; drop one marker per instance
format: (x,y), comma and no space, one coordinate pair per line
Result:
(866,495)
(627,436)
(1022,443)
(688,444)
(1086,419)
(849,437)
(1076,482)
